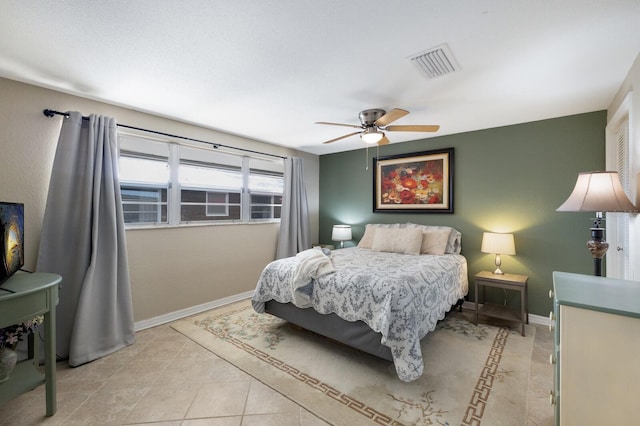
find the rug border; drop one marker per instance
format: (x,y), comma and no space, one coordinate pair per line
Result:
(331,410)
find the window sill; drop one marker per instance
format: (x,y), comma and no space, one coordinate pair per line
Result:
(195,225)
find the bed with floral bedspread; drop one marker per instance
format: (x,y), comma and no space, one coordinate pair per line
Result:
(401,296)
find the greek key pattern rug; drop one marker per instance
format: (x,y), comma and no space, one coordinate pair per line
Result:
(473,374)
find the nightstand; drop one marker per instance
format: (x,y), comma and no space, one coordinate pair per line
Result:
(507,282)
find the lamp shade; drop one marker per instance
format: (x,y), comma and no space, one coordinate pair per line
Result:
(498,243)
(341,233)
(597,192)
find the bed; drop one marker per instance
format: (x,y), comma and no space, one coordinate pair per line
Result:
(382,296)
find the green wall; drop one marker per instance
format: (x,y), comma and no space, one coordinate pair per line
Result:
(507,179)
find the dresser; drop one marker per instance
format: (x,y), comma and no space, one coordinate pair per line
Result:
(596,356)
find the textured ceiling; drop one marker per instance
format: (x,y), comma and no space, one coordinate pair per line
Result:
(269,69)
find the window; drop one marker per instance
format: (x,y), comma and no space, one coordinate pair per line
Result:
(163,183)
(218,203)
(144,184)
(266,194)
(208,190)
(144,205)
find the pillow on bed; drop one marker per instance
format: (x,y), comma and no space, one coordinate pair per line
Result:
(434,241)
(369,232)
(454,244)
(400,240)
(367,239)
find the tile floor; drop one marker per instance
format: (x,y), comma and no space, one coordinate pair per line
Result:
(155,381)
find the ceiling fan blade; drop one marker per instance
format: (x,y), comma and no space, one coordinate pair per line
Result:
(384,141)
(339,124)
(341,137)
(413,128)
(390,117)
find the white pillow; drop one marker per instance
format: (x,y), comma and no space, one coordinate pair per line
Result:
(367,239)
(454,244)
(369,231)
(434,241)
(405,240)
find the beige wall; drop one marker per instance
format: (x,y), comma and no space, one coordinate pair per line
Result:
(171,268)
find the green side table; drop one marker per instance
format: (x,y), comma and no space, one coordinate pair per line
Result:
(30,295)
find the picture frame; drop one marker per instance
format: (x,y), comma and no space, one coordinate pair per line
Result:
(420,182)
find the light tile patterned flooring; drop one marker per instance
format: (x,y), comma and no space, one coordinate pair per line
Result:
(166,379)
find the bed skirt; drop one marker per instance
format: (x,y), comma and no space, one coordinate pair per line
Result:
(355,334)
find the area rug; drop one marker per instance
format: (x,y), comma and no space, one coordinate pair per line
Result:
(473,374)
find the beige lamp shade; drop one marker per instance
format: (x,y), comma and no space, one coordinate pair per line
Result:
(498,243)
(597,192)
(341,233)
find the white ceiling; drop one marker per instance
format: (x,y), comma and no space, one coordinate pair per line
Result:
(269,69)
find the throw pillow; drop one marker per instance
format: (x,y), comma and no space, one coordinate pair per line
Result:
(403,240)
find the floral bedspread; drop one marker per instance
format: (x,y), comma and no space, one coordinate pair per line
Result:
(401,296)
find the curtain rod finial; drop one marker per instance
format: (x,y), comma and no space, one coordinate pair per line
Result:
(51,112)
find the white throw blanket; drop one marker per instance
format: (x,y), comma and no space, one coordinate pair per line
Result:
(312,264)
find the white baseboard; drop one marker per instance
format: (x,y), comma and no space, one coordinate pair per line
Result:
(533,319)
(183,313)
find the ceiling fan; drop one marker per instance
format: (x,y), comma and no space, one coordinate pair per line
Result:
(374,122)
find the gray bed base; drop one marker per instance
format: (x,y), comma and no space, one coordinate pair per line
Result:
(355,334)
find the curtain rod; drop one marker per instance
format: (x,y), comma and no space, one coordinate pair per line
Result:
(51,113)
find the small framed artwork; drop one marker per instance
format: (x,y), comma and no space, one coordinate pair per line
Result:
(416,182)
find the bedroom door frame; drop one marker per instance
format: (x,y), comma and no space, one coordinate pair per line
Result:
(619,155)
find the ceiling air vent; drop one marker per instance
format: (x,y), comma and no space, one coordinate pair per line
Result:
(435,62)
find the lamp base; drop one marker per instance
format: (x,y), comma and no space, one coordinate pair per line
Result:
(498,271)
(598,248)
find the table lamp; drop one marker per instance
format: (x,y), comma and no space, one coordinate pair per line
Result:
(498,244)
(341,233)
(598,192)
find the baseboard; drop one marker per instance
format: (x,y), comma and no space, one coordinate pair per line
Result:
(183,313)
(533,319)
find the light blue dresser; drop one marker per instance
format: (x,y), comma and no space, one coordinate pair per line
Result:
(596,357)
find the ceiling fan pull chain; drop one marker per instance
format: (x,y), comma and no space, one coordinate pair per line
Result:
(366,159)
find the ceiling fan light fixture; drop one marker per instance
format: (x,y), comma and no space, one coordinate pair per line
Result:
(371,135)
(375,122)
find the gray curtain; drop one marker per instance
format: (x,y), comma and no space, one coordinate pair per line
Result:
(83,240)
(295,231)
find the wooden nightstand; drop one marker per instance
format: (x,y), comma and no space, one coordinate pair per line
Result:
(508,282)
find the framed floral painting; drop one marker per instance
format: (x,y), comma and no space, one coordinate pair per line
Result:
(416,182)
